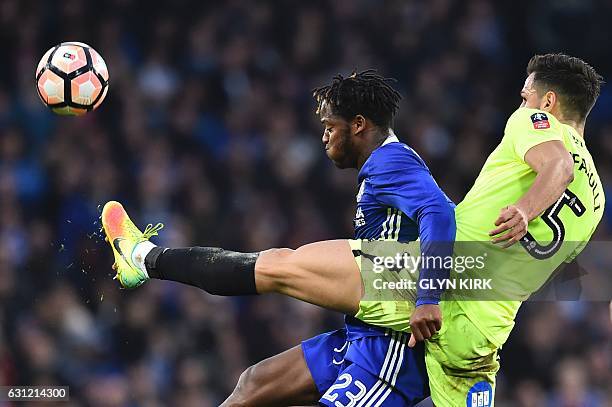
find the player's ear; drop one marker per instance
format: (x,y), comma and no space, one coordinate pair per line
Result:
(549,101)
(358,124)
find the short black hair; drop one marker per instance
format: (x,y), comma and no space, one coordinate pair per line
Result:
(575,81)
(365,93)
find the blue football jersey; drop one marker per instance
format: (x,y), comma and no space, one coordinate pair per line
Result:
(363,364)
(398,199)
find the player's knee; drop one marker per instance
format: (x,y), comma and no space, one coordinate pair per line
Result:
(245,389)
(273,269)
(248,379)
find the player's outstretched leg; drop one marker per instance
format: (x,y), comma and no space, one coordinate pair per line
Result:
(322,273)
(282,380)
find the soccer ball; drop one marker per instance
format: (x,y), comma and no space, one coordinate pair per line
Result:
(72,79)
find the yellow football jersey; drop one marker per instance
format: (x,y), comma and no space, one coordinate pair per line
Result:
(557,236)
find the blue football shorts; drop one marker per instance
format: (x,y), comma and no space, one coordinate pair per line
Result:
(366,366)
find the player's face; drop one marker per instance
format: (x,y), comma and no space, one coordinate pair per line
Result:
(337,139)
(529,94)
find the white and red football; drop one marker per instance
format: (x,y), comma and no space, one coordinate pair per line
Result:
(72,79)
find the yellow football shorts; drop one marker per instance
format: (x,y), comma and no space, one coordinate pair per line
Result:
(461,362)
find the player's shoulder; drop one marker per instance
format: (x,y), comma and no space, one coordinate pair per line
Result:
(392,156)
(536,119)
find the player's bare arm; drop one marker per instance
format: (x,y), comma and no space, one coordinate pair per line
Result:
(554,166)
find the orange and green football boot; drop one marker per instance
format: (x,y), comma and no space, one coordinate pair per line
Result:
(124,236)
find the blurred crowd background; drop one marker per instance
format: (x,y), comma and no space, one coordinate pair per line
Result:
(209,127)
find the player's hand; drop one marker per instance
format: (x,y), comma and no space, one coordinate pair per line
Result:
(425,321)
(512,220)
